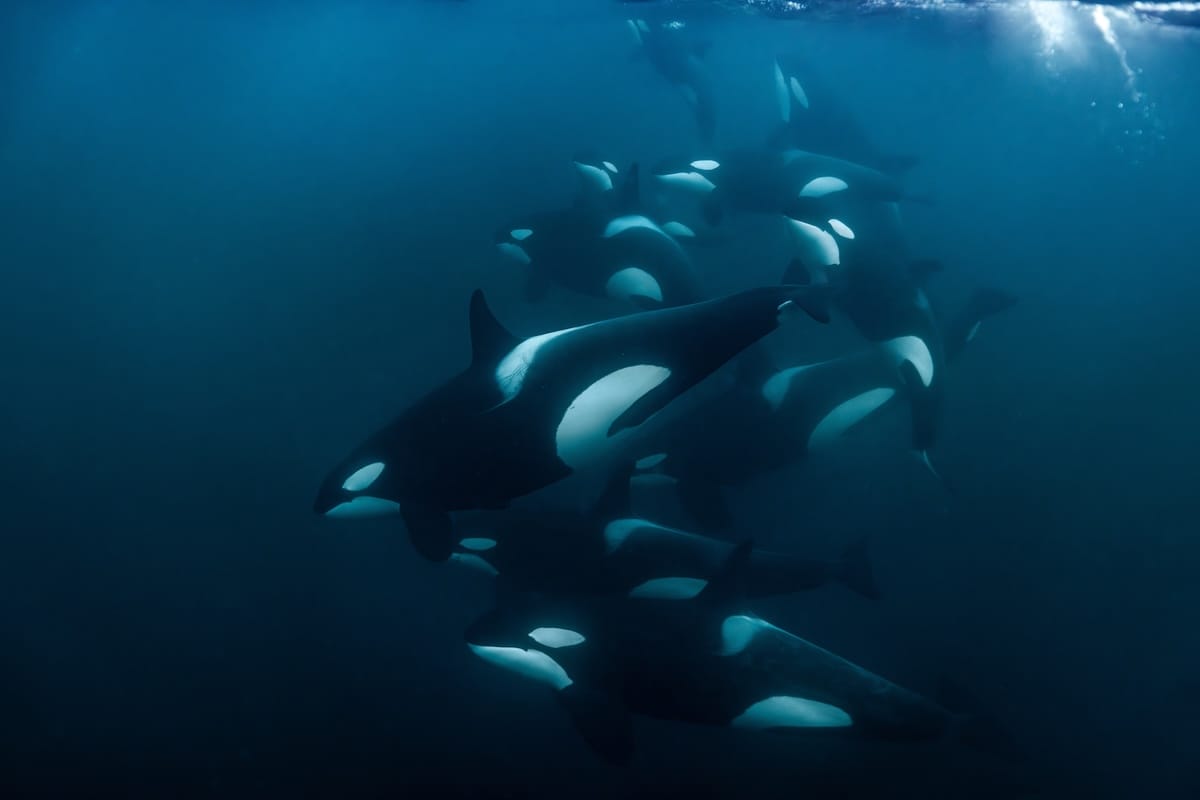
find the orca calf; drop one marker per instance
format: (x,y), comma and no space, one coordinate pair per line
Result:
(528,412)
(681,61)
(701,660)
(608,551)
(814,118)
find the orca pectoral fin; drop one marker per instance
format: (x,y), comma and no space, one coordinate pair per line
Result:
(814,301)
(601,719)
(430,531)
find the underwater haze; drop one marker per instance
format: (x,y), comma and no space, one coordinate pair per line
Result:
(238,238)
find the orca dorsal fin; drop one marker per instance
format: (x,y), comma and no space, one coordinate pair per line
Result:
(489,339)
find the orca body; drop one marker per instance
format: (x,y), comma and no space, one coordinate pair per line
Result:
(815,118)
(680,60)
(770,418)
(529,412)
(768,181)
(603,246)
(609,551)
(700,660)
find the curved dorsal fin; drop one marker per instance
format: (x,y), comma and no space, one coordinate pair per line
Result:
(489,339)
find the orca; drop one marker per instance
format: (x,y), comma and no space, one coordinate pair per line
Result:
(857,247)
(701,660)
(771,418)
(680,60)
(527,413)
(607,550)
(603,246)
(814,118)
(766,181)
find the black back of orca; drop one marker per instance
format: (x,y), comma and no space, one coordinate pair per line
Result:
(566,553)
(527,413)
(680,60)
(823,122)
(690,660)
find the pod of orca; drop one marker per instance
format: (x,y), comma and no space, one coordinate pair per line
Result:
(618,615)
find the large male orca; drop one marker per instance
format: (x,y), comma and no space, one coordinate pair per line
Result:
(529,412)
(680,60)
(702,660)
(769,418)
(813,117)
(606,550)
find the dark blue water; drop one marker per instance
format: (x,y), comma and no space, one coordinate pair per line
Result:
(236,238)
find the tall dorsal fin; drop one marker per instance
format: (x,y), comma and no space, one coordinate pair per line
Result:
(489,339)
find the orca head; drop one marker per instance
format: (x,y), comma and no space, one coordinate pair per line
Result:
(363,485)
(696,176)
(512,242)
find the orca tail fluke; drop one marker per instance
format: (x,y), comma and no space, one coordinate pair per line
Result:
(974,726)
(602,721)
(982,304)
(855,571)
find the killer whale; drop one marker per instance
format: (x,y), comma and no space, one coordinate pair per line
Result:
(813,117)
(701,660)
(604,245)
(528,412)
(680,61)
(607,550)
(770,418)
(764,180)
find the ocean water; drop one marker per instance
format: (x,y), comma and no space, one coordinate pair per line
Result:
(236,238)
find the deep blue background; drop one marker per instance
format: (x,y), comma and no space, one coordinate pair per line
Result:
(234,238)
